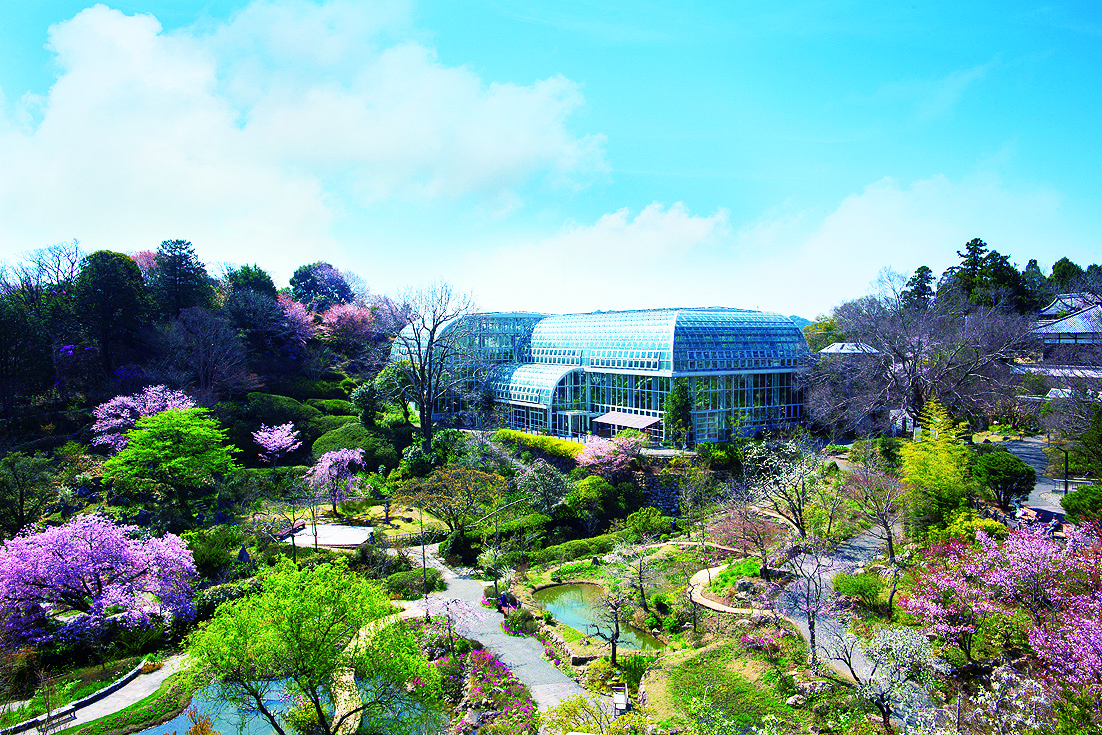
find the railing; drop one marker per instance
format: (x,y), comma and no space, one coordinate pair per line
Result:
(410,539)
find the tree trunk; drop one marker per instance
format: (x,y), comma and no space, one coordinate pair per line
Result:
(891,542)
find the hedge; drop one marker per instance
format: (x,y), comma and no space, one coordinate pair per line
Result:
(332,406)
(273,410)
(207,600)
(352,435)
(408,585)
(576,549)
(547,444)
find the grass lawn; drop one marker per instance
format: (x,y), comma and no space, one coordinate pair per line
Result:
(172,698)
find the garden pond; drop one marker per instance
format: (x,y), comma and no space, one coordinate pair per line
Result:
(576,604)
(409,718)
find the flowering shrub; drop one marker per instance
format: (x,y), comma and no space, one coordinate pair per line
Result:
(492,679)
(518,621)
(762,642)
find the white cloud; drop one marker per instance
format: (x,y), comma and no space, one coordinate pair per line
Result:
(265,128)
(791,261)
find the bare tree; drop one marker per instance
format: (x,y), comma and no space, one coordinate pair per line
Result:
(612,607)
(430,350)
(745,527)
(637,567)
(777,470)
(879,498)
(202,350)
(812,564)
(952,349)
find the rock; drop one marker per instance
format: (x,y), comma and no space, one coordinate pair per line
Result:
(813,688)
(796,700)
(820,708)
(471,719)
(742,596)
(759,618)
(744,585)
(816,729)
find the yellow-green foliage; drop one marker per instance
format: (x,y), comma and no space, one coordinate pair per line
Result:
(546,444)
(964,525)
(937,469)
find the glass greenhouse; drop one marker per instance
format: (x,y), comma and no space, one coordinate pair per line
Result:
(574,374)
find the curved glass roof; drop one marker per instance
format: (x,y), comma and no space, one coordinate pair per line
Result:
(526,382)
(670,340)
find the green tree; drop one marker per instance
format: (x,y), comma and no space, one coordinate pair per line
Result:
(678,412)
(25,352)
(455,494)
(310,630)
(184,449)
(252,278)
(111,301)
(937,470)
(26,488)
(1066,274)
(1006,477)
(179,281)
(822,332)
(919,291)
(1083,503)
(319,286)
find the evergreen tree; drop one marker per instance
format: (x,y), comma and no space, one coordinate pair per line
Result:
(179,281)
(678,412)
(111,301)
(1066,275)
(919,292)
(937,469)
(252,278)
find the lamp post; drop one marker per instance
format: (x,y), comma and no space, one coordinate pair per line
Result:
(1065,467)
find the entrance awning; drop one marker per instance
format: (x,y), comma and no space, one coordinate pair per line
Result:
(630,420)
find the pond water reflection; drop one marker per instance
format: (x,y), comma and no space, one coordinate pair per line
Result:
(576,604)
(410,717)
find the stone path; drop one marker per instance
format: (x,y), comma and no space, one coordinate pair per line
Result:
(523,656)
(134,691)
(1032,451)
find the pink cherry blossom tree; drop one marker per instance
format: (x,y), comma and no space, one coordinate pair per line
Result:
(609,457)
(349,326)
(119,415)
(336,474)
(275,441)
(92,565)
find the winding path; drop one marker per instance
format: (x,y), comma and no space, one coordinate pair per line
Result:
(523,656)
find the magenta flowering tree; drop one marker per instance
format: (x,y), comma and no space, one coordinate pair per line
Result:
(93,565)
(119,415)
(336,474)
(298,321)
(275,441)
(952,595)
(609,457)
(349,326)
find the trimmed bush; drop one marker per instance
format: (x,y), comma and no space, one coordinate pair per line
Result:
(352,435)
(207,601)
(408,585)
(273,410)
(549,445)
(332,406)
(575,549)
(214,548)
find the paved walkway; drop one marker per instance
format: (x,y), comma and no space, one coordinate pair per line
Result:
(135,690)
(523,656)
(1032,451)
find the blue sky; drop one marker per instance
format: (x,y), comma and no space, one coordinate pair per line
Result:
(559,156)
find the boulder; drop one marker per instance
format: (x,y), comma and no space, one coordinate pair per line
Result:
(813,688)
(744,585)
(796,700)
